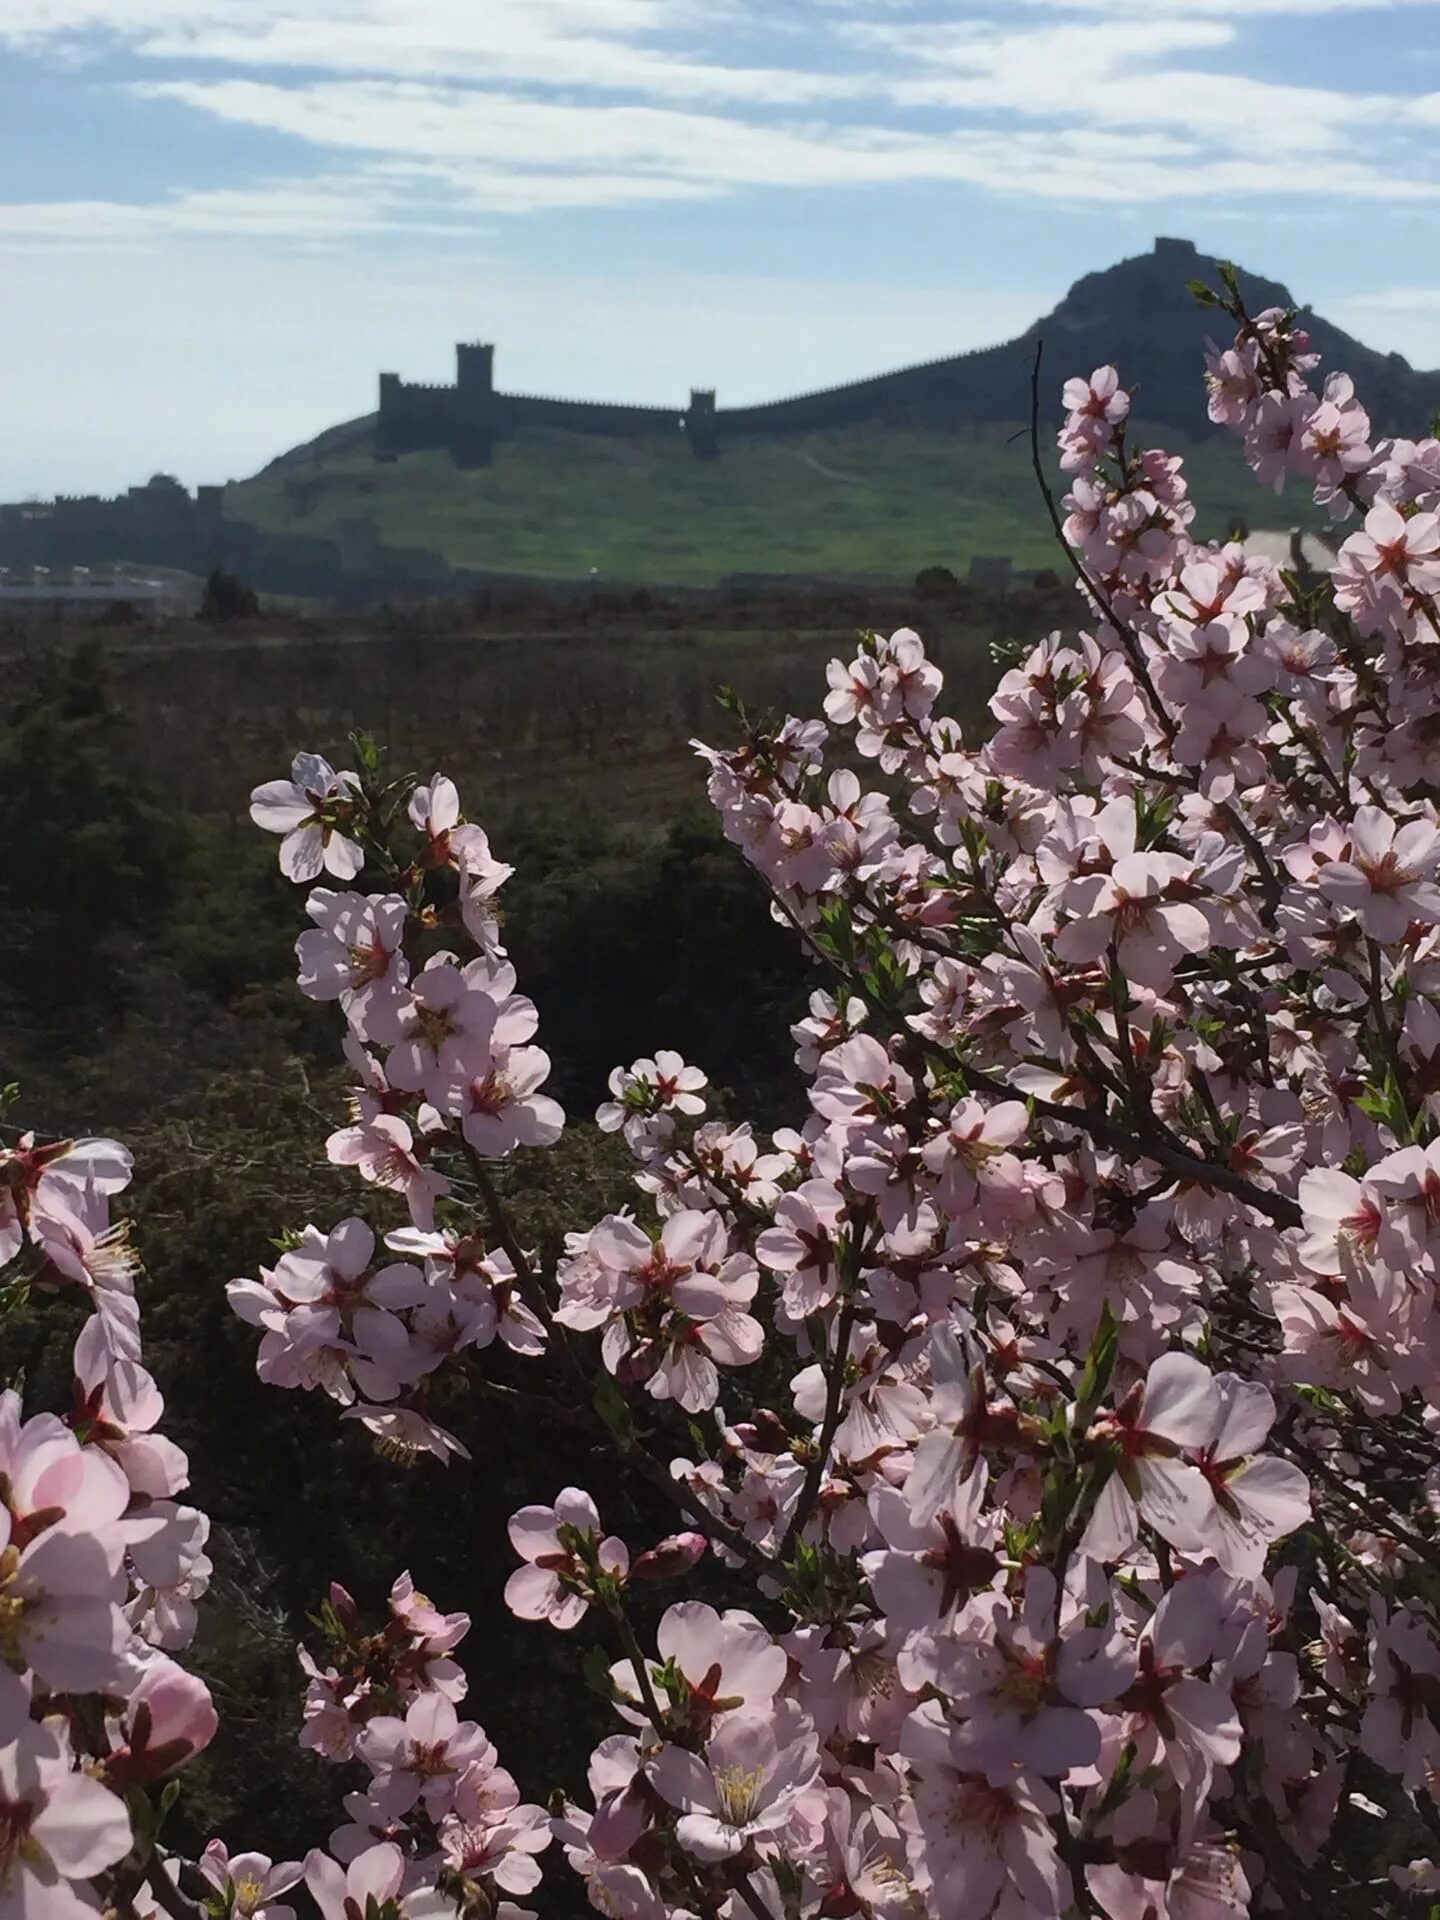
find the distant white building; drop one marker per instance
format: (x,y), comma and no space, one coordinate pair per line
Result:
(78,587)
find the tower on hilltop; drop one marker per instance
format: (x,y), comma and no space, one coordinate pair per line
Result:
(699,424)
(476,422)
(475,370)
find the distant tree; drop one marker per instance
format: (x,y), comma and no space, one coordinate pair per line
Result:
(227,598)
(935,583)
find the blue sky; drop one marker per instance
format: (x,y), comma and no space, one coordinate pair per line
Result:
(220,218)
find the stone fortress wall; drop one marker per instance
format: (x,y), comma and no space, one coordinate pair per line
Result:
(468,418)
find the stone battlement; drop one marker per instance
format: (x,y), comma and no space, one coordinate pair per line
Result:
(468,418)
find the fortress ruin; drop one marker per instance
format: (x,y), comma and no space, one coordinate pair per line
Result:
(467,419)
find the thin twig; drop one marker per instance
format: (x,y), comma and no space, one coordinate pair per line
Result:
(178,1905)
(635,1655)
(834,1394)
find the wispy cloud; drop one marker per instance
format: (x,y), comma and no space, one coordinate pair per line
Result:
(502,107)
(323,211)
(509,151)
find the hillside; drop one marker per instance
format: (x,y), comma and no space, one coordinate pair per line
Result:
(925,466)
(857,500)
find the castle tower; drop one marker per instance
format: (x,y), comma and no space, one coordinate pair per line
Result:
(475,420)
(700,425)
(388,429)
(475,370)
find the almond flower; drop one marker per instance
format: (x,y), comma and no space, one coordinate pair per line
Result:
(309,809)
(1258,1499)
(1176,1408)
(647,1088)
(743,1790)
(420,1758)
(56,1826)
(728,1660)
(554,1584)
(1129,907)
(255,1879)
(353,955)
(369,1884)
(1388,880)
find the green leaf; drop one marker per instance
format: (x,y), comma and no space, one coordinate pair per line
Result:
(614,1409)
(1099,1365)
(597,1673)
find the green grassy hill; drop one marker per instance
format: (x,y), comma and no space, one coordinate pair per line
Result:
(866,499)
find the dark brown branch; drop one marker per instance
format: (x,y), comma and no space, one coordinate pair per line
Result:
(178,1905)
(1177,1160)
(820,1459)
(1091,1120)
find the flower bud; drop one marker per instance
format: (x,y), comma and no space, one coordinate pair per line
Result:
(169,1719)
(669,1558)
(346,1611)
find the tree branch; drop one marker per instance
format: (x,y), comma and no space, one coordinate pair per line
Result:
(834,1394)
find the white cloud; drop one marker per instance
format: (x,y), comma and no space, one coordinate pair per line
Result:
(1123,72)
(597,45)
(516,106)
(324,211)
(1146,10)
(502,151)
(1394,319)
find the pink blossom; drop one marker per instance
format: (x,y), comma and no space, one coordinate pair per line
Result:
(729,1661)
(926,1572)
(972,1162)
(353,955)
(310,809)
(1392,553)
(406,1433)
(560,1546)
(342,1892)
(118,1408)
(481,878)
(56,1827)
(420,1757)
(255,1878)
(1178,1407)
(1334,1345)
(1397,1730)
(1258,1500)
(802,1246)
(1171,1711)
(1134,908)
(168,1719)
(384,1150)
(71,1227)
(744,1789)
(490,1835)
(647,1087)
(502,1108)
(445,1030)
(1388,879)
(980,1842)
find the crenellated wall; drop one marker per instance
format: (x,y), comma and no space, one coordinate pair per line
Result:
(468,418)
